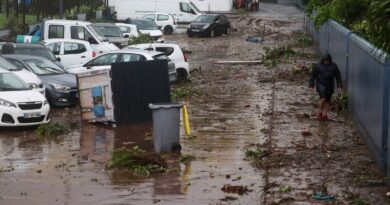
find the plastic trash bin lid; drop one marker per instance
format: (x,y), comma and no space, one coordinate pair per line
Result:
(155,106)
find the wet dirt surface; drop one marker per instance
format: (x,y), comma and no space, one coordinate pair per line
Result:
(237,104)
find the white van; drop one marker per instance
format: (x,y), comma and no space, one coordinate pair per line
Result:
(184,11)
(78,30)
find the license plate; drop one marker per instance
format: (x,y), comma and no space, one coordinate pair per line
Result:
(32,115)
(195,30)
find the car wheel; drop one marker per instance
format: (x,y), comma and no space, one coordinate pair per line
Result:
(212,33)
(181,74)
(168,30)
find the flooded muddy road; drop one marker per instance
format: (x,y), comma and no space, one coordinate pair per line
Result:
(237,107)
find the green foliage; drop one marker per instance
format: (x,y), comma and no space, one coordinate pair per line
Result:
(256,156)
(272,56)
(379,24)
(71,13)
(142,38)
(187,158)
(135,159)
(304,41)
(340,101)
(51,130)
(184,92)
(284,189)
(360,202)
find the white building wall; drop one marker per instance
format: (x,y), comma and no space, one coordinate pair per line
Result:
(214,5)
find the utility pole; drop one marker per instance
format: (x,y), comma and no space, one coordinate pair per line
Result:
(61,9)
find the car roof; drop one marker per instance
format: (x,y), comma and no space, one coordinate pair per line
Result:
(29,45)
(62,21)
(23,57)
(65,40)
(155,44)
(137,51)
(105,24)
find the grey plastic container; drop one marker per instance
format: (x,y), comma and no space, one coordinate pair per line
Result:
(166,127)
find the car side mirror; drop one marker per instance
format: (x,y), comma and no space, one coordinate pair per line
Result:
(58,59)
(126,36)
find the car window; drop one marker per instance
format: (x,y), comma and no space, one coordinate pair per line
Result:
(34,51)
(55,48)
(184,7)
(73,48)
(79,33)
(160,57)
(129,57)
(17,64)
(125,29)
(10,82)
(107,59)
(44,67)
(162,17)
(167,50)
(205,19)
(56,31)
(150,16)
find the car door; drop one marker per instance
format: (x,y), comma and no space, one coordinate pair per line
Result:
(218,25)
(73,54)
(186,13)
(103,62)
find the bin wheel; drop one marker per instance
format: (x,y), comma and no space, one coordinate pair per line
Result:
(176,148)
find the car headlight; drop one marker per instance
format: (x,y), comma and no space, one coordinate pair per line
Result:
(6,103)
(206,26)
(33,85)
(59,87)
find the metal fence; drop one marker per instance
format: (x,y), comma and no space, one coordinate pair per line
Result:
(366,74)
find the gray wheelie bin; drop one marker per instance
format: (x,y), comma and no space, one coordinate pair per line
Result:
(166,127)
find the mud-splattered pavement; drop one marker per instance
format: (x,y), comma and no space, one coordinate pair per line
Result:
(239,107)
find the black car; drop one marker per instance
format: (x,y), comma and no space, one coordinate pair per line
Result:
(112,33)
(61,87)
(209,25)
(30,49)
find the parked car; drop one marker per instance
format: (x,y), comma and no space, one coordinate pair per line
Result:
(113,34)
(147,26)
(78,30)
(28,77)
(128,30)
(61,87)
(209,25)
(165,22)
(30,49)
(104,61)
(174,52)
(71,52)
(184,11)
(19,105)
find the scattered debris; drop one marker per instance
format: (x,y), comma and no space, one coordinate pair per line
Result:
(240,190)
(255,39)
(306,133)
(229,198)
(181,93)
(323,196)
(239,62)
(51,130)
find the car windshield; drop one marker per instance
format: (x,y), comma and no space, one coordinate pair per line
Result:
(10,82)
(205,19)
(146,25)
(97,33)
(195,8)
(44,67)
(4,64)
(110,31)
(41,52)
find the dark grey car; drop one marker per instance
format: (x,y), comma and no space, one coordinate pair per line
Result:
(61,87)
(113,34)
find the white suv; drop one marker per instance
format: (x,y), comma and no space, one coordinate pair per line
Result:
(19,105)
(71,52)
(164,21)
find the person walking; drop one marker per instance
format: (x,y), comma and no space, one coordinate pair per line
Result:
(323,77)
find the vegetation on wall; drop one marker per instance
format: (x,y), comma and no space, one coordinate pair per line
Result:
(368,18)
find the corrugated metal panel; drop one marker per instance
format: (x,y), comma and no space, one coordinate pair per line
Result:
(135,85)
